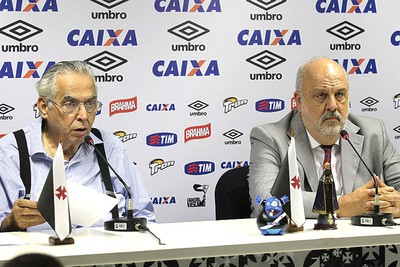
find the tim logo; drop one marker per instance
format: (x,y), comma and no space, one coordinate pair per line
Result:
(157,165)
(196,201)
(197,132)
(123,106)
(198,105)
(109,4)
(232,103)
(369,102)
(199,167)
(269,37)
(163,200)
(124,137)
(233,134)
(4,109)
(266,60)
(24,69)
(183,6)
(29,6)
(345,6)
(345,31)
(107,37)
(161,139)
(396,101)
(359,66)
(270,105)
(234,164)
(188,68)
(395,38)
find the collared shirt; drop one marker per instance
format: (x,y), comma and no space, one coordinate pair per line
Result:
(336,163)
(83,168)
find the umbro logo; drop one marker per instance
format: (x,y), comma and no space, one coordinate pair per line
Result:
(109,3)
(188,30)
(345,30)
(106,61)
(266,60)
(20,30)
(266,4)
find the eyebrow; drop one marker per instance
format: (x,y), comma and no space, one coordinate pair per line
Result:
(70,98)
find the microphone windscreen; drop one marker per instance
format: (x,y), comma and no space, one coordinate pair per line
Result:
(344,134)
(88,140)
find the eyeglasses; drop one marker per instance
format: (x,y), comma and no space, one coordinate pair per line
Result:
(72,106)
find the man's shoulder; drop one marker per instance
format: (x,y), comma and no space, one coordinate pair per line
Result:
(280,125)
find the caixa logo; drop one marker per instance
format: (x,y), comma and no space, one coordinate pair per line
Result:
(269,37)
(345,6)
(199,167)
(24,69)
(163,200)
(358,66)
(184,6)
(29,5)
(108,37)
(186,68)
(160,107)
(234,164)
(270,105)
(395,38)
(161,139)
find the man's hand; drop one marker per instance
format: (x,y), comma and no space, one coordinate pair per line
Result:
(355,203)
(389,199)
(23,215)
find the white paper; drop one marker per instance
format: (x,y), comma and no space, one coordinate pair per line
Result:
(86,205)
(7,239)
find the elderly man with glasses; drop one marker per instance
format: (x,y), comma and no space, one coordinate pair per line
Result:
(68,104)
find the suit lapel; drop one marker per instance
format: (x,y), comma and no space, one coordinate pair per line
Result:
(304,154)
(350,160)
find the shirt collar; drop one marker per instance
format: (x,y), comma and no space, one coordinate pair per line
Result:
(314,143)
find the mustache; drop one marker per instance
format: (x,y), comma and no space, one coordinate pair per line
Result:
(330,114)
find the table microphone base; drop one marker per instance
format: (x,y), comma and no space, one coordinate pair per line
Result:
(373,219)
(126,224)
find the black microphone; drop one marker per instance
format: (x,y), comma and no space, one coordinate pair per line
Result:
(376,218)
(121,224)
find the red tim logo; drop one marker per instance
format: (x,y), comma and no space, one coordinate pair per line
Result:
(197,132)
(123,105)
(61,192)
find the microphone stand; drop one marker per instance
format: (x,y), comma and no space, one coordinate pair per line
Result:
(375,218)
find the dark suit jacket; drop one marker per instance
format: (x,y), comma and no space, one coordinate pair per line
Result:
(269,145)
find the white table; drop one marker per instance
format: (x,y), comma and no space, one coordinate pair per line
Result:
(189,240)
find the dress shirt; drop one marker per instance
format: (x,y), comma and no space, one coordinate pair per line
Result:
(336,166)
(82,168)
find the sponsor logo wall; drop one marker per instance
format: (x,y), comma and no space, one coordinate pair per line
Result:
(182,82)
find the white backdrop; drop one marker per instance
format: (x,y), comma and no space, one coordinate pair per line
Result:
(197,66)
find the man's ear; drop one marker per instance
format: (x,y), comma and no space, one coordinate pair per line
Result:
(42,107)
(297,98)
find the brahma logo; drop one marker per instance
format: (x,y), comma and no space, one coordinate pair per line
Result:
(24,70)
(232,103)
(161,139)
(345,6)
(199,167)
(396,101)
(197,132)
(163,200)
(358,66)
(2,135)
(160,107)
(123,105)
(124,137)
(186,68)
(293,103)
(270,105)
(269,37)
(107,37)
(234,164)
(157,165)
(29,6)
(184,6)
(369,102)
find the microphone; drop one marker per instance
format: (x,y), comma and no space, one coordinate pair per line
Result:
(376,218)
(128,223)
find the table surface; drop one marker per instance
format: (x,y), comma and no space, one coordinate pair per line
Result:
(185,240)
